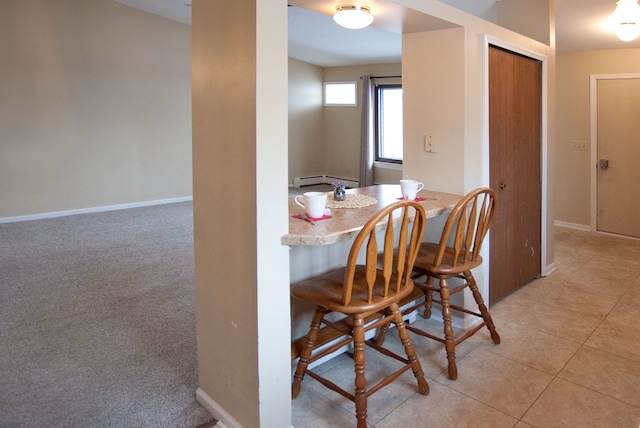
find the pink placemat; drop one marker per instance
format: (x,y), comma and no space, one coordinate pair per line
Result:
(418,199)
(324,217)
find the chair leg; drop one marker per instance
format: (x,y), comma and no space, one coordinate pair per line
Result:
(423,386)
(381,333)
(360,381)
(305,355)
(473,286)
(449,343)
(428,295)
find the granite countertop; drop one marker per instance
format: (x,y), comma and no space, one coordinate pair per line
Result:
(345,223)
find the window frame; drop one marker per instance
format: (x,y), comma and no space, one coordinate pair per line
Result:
(379,88)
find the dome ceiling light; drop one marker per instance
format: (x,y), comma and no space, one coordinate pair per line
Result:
(353,17)
(626,19)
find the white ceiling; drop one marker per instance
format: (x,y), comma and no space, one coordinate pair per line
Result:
(315,38)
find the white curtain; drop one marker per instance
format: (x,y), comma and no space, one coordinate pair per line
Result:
(367,133)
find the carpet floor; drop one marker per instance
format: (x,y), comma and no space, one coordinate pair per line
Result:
(97,323)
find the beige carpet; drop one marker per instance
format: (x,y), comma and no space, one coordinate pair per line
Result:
(97,322)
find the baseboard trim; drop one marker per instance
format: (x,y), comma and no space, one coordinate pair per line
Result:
(225,420)
(94,209)
(583,227)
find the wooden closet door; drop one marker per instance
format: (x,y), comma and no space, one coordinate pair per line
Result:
(515,110)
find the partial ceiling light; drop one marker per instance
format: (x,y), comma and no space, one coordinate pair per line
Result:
(353,17)
(626,19)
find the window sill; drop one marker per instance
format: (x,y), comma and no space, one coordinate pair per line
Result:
(387,165)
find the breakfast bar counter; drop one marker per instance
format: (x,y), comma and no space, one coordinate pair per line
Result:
(345,223)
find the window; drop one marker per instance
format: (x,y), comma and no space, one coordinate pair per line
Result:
(340,93)
(388,117)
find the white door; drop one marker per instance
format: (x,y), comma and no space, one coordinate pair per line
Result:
(618,156)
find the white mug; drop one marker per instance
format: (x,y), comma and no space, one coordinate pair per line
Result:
(314,203)
(410,188)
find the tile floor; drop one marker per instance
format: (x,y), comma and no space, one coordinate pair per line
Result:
(569,357)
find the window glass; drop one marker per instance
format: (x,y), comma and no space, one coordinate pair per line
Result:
(389,132)
(340,93)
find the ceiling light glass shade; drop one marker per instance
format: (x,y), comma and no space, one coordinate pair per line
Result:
(628,31)
(626,19)
(353,17)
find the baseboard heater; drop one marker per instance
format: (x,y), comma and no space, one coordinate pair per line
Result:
(322,179)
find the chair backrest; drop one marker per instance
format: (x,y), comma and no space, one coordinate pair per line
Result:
(403,222)
(469,221)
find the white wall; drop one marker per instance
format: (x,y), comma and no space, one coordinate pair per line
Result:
(95,106)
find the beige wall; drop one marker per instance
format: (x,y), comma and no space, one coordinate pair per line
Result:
(434,105)
(95,108)
(342,124)
(241,211)
(326,140)
(573,169)
(306,147)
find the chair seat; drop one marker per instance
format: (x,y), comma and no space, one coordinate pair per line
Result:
(326,290)
(427,254)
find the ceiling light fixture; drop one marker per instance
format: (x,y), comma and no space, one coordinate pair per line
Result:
(353,17)
(626,19)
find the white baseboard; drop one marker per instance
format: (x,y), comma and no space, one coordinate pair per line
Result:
(94,209)
(550,269)
(225,420)
(321,179)
(583,227)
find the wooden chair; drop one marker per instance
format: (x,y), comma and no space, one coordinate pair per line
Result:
(453,257)
(358,291)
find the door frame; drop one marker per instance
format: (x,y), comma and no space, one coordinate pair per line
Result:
(544,224)
(593,135)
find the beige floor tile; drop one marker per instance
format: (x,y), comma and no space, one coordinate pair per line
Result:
(581,301)
(626,314)
(508,310)
(377,366)
(632,296)
(498,382)
(445,408)
(313,410)
(572,259)
(624,258)
(604,286)
(565,404)
(534,348)
(523,425)
(606,373)
(571,325)
(603,280)
(536,290)
(618,339)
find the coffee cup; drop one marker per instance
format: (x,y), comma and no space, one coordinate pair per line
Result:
(410,189)
(314,203)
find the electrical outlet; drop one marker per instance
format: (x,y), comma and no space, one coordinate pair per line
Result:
(430,145)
